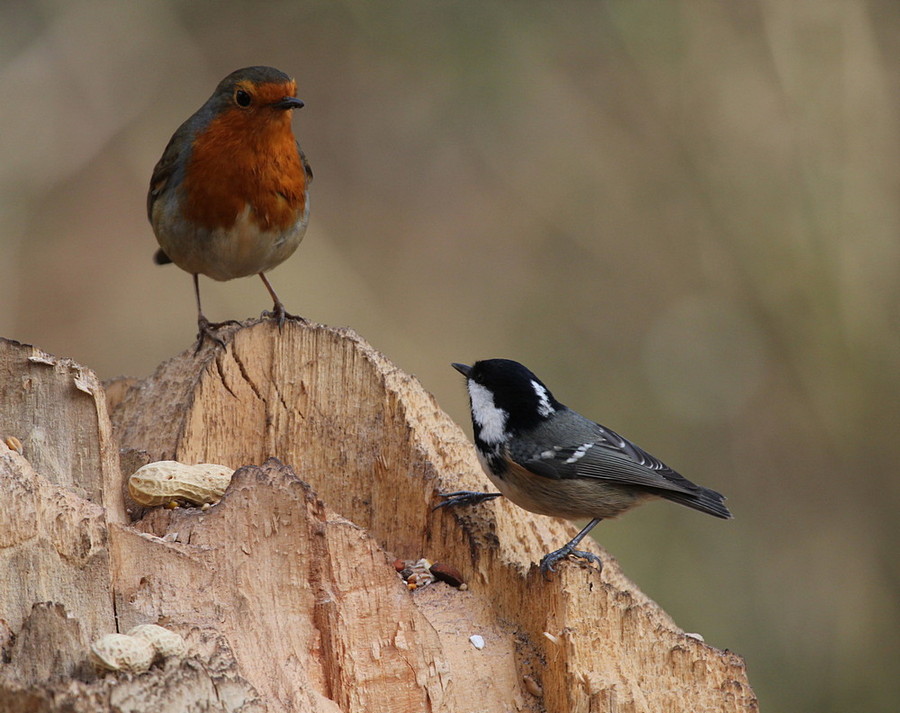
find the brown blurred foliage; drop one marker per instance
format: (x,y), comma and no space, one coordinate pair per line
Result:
(682,215)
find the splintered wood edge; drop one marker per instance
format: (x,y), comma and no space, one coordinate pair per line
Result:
(566,606)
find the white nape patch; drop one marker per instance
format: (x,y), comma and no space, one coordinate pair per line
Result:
(579,454)
(491,421)
(544,407)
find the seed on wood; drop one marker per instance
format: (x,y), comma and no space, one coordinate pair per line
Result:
(447,573)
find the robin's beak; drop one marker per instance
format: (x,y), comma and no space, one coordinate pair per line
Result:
(289,103)
(462,369)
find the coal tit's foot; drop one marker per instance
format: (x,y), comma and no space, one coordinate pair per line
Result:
(551,559)
(464,497)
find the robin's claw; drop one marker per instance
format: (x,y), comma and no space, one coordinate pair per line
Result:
(208,330)
(280,314)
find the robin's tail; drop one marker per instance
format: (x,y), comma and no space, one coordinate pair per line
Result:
(703,499)
(160,258)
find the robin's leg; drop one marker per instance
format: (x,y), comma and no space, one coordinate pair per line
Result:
(464,497)
(206,329)
(551,559)
(278,313)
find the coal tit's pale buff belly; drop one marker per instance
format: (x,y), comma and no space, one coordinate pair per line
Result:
(573,499)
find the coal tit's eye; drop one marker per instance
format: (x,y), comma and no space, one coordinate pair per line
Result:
(242,98)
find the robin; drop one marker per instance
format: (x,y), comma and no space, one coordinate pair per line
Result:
(230,196)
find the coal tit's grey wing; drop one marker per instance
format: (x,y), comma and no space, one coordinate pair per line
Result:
(584,449)
(600,453)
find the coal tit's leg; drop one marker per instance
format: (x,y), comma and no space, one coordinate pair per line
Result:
(552,558)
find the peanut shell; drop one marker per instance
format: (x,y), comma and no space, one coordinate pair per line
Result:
(120,652)
(167,480)
(166,643)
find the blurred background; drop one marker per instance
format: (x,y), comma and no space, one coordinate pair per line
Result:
(682,215)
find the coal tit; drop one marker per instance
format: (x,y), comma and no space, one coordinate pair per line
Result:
(550,460)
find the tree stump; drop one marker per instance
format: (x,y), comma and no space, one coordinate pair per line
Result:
(285,589)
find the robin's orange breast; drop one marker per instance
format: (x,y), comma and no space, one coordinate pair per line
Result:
(245,160)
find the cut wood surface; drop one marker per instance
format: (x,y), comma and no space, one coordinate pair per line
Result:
(285,589)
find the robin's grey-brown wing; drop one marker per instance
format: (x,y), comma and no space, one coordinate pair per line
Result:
(306,167)
(164,170)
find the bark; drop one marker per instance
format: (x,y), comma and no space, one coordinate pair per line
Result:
(285,590)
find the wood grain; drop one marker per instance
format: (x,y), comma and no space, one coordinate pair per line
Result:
(339,456)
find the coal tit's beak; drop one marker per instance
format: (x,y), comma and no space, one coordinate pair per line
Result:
(462,369)
(289,103)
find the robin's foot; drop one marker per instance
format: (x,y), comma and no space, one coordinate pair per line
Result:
(551,559)
(209,330)
(464,497)
(279,314)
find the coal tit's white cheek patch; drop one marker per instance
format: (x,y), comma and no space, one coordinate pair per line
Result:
(544,407)
(490,420)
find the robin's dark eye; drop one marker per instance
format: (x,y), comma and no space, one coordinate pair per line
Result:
(242,98)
